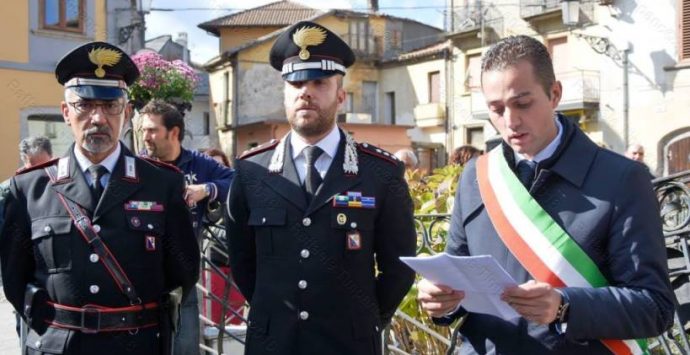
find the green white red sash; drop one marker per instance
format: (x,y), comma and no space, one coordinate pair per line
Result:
(541,246)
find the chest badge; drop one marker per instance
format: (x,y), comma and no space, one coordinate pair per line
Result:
(354,199)
(341,219)
(150,243)
(354,240)
(144,206)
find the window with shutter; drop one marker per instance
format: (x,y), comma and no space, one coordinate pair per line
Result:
(473,72)
(435,86)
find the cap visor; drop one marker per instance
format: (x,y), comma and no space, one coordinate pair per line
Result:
(98,92)
(309,74)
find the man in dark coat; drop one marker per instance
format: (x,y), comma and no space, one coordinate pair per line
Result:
(163,130)
(316,222)
(105,296)
(591,267)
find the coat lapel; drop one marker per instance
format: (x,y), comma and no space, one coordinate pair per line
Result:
(75,187)
(118,188)
(287,184)
(335,181)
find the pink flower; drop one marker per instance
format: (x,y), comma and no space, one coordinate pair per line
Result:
(163,79)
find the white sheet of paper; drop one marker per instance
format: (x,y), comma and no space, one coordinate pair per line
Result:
(481,277)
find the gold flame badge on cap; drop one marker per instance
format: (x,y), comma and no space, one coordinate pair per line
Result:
(103,56)
(308,36)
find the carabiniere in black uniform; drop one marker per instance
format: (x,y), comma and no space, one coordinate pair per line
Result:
(107,297)
(321,271)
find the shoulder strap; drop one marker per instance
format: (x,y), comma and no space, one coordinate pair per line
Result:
(97,245)
(536,240)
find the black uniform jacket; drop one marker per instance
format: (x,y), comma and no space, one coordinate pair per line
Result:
(320,279)
(154,246)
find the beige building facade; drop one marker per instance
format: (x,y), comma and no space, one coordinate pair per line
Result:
(413,93)
(41,33)
(623,70)
(246,93)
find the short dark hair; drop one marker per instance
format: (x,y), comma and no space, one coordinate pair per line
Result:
(170,116)
(30,146)
(511,50)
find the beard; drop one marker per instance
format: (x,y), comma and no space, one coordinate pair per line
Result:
(159,148)
(98,139)
(151,149)
(314,123)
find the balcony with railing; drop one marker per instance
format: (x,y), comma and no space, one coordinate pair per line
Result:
(431,114)
(476,21)
(580,89)
(539,9)
(356,117)
(478,107)
(364,45)
(537,12)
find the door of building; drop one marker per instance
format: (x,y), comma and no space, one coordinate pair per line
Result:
(678,155)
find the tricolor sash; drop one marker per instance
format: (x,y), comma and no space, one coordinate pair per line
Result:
(541,246)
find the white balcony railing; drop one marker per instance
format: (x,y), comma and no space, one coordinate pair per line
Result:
(360,118)
(579,87)
(432,114)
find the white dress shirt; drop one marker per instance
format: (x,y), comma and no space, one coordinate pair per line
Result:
(329,145)
(548,151)
(109,163)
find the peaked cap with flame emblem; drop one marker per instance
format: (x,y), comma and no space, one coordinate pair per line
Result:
(308,51)
(97,70)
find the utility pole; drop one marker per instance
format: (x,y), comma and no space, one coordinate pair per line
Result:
(451,12)
(626,99)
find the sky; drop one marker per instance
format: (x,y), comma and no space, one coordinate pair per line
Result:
(204,46)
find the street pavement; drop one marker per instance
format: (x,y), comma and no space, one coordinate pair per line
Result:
(9,342)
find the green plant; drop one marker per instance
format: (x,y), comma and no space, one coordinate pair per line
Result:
(432,195)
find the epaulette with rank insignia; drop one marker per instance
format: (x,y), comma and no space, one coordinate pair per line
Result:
(259,149)
(39,166)
(378,152)
(162,164)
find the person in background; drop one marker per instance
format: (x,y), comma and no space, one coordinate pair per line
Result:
(32,151)
(408,158)
(635,152)
(461,155)
(35,150)
(163,129)
(218,156)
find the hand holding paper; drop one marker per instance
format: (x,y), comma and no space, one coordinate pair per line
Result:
(480,277)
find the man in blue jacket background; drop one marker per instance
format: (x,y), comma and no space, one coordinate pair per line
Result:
(163,130)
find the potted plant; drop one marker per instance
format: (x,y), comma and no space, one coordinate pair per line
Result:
(172,81)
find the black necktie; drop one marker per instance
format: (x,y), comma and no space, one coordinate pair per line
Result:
(313,179)
(526,171)
(97,172)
